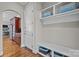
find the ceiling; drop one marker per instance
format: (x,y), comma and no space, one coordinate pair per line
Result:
(45,3)
(22,3)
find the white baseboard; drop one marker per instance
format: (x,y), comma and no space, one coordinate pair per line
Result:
(35,52)
(22,45)
(1,53)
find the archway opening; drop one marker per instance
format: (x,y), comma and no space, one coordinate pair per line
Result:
(11,32)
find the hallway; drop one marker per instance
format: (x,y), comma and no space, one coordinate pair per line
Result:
(12,49)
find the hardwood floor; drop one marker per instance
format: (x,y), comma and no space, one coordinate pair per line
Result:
(12,49)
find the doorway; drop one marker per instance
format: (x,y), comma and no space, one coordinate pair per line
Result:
(11,33)
(15,29)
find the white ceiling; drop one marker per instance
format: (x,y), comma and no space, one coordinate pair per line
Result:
(47,4)
(22,3)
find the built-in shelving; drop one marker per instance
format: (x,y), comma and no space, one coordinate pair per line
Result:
(60,49)
(56,14)
(47,12)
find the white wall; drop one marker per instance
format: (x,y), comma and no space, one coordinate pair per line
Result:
(28,18)
(15,7)
(64,34)
(37,25)
(8,15)
(1,41)
(31,14)
(11,6)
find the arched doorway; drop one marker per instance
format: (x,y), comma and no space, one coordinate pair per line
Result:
(11,32)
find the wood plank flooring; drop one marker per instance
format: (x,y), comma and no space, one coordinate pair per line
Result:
(11,49)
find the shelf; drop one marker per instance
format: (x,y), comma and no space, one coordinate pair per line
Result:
(57,3)
(42,54)
(69,12)
(47,12)
(56,12)
(72,15)
(61,49)
(65,7)
(47,9)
